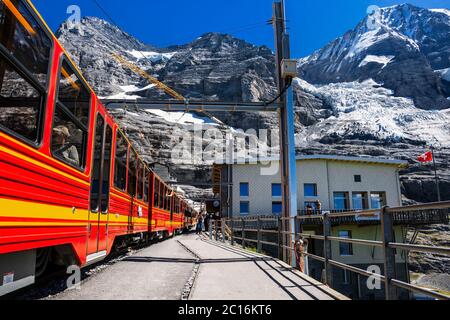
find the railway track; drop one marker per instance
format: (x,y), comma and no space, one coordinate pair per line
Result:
(54,280)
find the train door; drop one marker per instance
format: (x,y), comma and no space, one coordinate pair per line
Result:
(151,201)
(100,182)
(132,188)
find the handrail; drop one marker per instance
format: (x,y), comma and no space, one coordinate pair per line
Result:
(427,206)
(357,241)
(386,219)
(421,249)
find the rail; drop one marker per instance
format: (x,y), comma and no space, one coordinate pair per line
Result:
(242,226)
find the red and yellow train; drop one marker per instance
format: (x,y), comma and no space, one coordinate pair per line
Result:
(72,187)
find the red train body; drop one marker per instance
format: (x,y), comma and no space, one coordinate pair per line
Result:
(71,184)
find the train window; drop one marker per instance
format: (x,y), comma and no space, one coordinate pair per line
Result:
(164,196)
(21,105)
(97,164)
(73,94)
(70,122)
(132,173)
(68,139)
(156,204)
(146,185)
(120,166)
(140,181)
(162,200)
(22,37)
(107,169)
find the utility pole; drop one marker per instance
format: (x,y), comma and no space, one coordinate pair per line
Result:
(287,132)
(438,188)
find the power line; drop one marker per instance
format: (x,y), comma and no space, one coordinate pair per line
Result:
(116,24)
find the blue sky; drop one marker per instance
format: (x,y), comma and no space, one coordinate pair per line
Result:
(312,23)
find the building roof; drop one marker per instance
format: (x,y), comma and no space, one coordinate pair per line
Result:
(369,160)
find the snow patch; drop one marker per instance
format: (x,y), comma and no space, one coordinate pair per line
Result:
(444,11)
(181,117)
(384,60)
(151,55)
(122,96)
(445,74)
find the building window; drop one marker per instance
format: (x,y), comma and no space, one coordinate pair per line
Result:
(276,190)
(345,249)
(244,190)
(377,200)
(310,190)
(277,208)
(245,207)
(360,201)
(358,178)
(341,201)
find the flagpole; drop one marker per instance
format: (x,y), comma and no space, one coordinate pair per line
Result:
(438,189)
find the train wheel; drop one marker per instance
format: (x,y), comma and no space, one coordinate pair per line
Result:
(42,260)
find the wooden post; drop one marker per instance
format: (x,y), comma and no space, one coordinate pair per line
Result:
(222,226)
(259,246)
(210,230)
(243,233)
(387,232)
(216,235)
(232,231)
(280,238)
(327,250)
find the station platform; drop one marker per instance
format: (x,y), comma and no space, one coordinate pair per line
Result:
(192,267)
(230,273)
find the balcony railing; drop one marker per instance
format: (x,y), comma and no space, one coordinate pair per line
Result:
(386,217)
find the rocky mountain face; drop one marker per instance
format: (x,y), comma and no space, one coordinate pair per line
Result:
(379,90)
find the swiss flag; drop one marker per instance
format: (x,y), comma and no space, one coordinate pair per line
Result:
(426,157)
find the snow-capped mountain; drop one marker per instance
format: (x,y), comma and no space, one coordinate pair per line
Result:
(404,48)
(379,90)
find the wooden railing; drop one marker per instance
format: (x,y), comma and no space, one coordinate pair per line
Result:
(226,229)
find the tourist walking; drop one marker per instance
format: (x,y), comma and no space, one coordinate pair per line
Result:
(199,227)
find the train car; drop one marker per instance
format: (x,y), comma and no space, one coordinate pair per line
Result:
(190,214)
(72,187)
